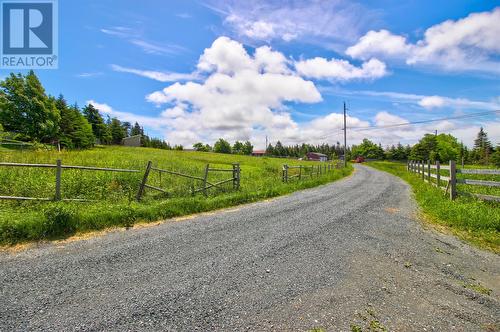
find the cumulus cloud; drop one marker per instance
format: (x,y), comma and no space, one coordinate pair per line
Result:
(241,91)
(471,43)
(432,102)
(341,70)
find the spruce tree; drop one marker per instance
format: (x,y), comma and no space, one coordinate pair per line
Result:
(482,147)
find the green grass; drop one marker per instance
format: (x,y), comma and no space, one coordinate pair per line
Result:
(473,220)
(114,193)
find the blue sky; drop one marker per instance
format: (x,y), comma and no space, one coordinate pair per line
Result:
(198,70)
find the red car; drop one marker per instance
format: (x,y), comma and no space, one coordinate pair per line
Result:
(359,159)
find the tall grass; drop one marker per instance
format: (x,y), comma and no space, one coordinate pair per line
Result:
(473,220)
(113,194)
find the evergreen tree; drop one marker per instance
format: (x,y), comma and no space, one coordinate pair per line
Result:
(26,109)
(136,130)
(482,147)
(99,128)
(127,127)
(117,131)
(75,131)
(495,156)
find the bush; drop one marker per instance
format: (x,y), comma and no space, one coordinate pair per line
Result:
(59,220)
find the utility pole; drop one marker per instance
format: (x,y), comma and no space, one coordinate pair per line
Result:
(345,138)
(266,144)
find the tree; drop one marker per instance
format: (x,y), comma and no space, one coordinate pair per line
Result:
(237,147)
(482,147)
(222,146)
(443,147)
(202,147)
(495,156)
(117,131)
(99,128)
(75,131)
(26,109)
(368,150)
(422,150)
(247,148)
(136,130)
(127,127)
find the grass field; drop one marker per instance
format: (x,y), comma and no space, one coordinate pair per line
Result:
(114,193)
(475,221)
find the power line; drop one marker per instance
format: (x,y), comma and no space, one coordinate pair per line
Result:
(466,116)
(479,114)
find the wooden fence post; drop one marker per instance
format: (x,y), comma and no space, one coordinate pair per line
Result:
(205,179)
(300,172)
(238,173)
(429,171)
(57,196)
(423,171)
(144,181)
(453,180)
(438,175)
(312,170)
(236,176)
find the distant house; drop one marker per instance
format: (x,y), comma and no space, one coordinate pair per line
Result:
(315,156)
(132,141)
(258,153)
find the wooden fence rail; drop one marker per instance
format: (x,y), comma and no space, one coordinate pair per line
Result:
(58,166)
(303,170)
(235,179)
(58,175)
(424,170)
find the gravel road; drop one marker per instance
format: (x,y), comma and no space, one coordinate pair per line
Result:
(348,254)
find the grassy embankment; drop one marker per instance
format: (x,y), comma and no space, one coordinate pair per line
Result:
(114,193)
(473,220)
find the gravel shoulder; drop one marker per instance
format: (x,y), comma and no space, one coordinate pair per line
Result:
(350,253)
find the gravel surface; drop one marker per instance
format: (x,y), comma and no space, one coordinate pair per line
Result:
(348,254)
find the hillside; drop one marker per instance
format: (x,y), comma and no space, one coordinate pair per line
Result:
(111,195)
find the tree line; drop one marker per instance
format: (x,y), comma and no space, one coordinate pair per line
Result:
(442,147)
(29,114)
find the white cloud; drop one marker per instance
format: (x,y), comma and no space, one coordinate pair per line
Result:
(471,43)
(182,127)
(387,119)
(428,102)
(89,74)
(135,37)
(379,43)
(341,70)
(312,21)
(432,102)
(156,75)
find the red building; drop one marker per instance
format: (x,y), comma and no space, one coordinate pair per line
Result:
(258,153)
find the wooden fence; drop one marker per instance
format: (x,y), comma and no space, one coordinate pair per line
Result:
(425,170)
(301,172)
(58,166)
(205,184)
